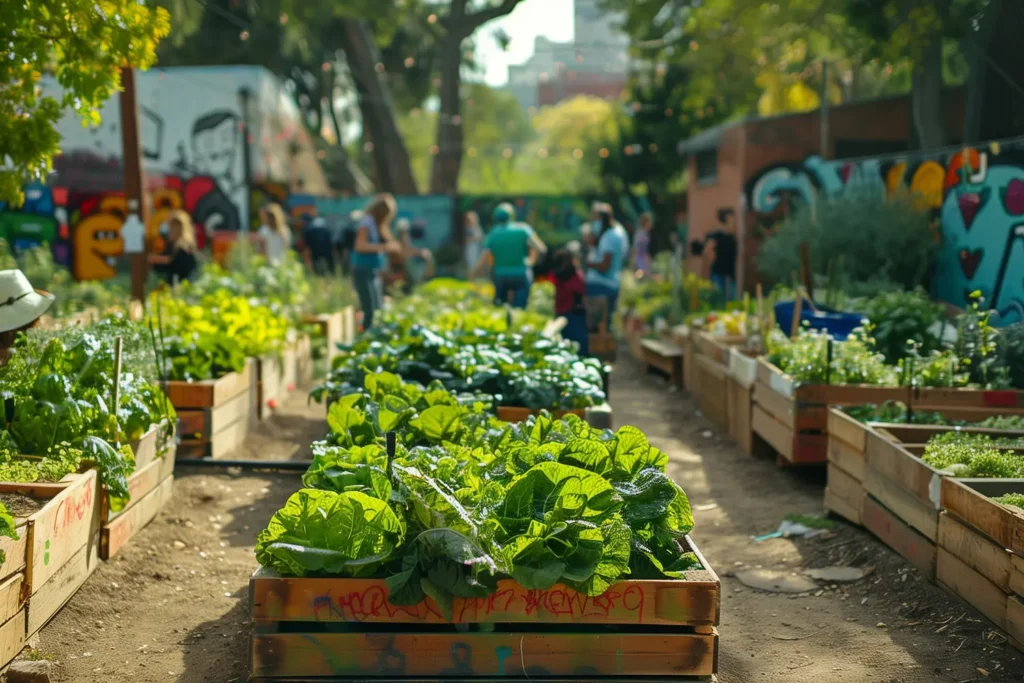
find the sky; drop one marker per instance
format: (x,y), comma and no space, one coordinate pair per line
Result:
(531,18)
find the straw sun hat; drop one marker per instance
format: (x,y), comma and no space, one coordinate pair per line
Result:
(20,305)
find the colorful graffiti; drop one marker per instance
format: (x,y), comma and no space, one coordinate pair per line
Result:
(977,193)
(42,219)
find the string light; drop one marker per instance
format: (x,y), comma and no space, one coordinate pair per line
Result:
(542,152)
(432,19)
(604,153)
(379,68)
(694,45)
(326,66)
(321,154)
(471,152)
(284,18)
(410,62)
(244,35)
(577,153)
(507,153)
(434,150)
(368,147)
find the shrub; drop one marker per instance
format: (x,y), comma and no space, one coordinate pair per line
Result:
(862,243)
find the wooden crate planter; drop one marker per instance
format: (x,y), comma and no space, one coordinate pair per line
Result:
(847,441)
(742,377)
(214,416)
(792,419)
(61,545)
(711,358)
(349,329)
(634,329)
(664,357)
(971,405)
(341,628)
(13,593)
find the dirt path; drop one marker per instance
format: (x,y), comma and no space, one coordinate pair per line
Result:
(173,605)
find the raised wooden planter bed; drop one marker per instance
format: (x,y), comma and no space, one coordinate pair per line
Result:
(347,629)
(682,336)
(61,546)
(711,358)
(897,478)
(792,419)
(214,416)
(13,593)
(300,373)
(742,377)
(665,357)
(634,329)
(332,329)
(971,405)
(847,441)
(272,381)
(120,530)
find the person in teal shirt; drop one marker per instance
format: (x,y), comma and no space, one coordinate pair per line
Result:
(507,252)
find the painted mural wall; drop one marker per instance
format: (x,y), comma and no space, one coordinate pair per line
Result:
(193,137)
(976,193)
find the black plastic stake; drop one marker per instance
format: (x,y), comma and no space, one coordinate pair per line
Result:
(828,360)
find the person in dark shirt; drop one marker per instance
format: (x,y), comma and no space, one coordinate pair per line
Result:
(570,289)
(319,246)
(720,248)
(178,262)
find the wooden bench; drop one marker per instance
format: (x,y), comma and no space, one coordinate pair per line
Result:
(664,357)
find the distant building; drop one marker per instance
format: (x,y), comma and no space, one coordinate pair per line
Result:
(596,63)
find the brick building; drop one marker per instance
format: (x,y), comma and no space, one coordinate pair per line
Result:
(725,163)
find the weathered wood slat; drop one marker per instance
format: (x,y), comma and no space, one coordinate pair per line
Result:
(1017,575)
(848,430)
(972,587)
(844,494)
(117,534)
(975,550)
(740,403)
(714,399)
(504,655)
(46,600)
(891,530)
(846,457)
(12,638)
(774,433)
(208,393)
(922,516)
(971,501)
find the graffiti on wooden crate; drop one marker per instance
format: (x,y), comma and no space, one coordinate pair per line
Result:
(976,193)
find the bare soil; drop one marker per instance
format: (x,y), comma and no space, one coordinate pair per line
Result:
(172,606)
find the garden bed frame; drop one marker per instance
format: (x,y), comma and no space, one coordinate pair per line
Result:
(739,392)
(346,629)
(792,419)
(214,416)
(710,359)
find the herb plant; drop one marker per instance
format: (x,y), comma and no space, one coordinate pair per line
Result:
(975,455)
(1012,499)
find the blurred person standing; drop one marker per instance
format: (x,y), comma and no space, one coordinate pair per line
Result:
(570,290)
(604,268)
(720,251)
(473,238)
(642,245)
(319,246)
(508,251)
(275,233)
(372,241)
(178,262)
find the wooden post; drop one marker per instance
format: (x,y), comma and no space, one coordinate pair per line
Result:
(798,309)
(134,183)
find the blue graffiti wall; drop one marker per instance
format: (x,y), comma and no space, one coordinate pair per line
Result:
(976,192)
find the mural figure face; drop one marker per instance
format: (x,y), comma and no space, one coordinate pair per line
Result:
(215,142)
(97,241)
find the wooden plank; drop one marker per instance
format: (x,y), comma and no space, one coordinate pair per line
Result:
(202,423)
(841,507)
(903,469)
(208,393)
(972,587)
(971,501)
(13,593)
(775,404)
(139,485)
(810,449)
(846,457)
(16,551)
(975,550)
(145,449)
(469,655)
(1007,402)
(848,490)
(12,638)
(117,534)
(848,430)
(773,432)
(909,544)
(910,510)
(849,394)
(675,603)
(662,349)
(740,402)
(63,526)
(714,396)
(47,599)
(1015,620)
(1017,575)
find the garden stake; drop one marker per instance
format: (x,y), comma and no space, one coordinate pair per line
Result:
(828,359)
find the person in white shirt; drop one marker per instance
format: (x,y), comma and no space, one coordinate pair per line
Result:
(275,233)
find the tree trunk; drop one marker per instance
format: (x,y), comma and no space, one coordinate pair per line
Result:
(926,101)
(444,176)
(976,46)
(391,157)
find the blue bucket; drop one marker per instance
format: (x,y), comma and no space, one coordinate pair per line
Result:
(836,323)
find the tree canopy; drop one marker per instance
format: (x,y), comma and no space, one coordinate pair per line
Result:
(83,44)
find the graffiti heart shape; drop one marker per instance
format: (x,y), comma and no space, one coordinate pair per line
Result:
(970,204)
(970,259)
(1013,197)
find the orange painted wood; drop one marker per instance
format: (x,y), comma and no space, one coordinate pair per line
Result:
(516,414)
(204,423)
(469,655)
(889,529)
(971,501)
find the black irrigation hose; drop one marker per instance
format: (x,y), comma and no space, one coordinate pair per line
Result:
(279,465)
